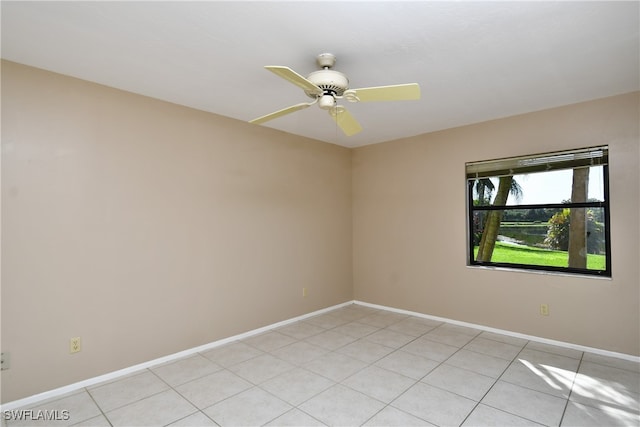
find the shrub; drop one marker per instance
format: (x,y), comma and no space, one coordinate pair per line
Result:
(558,232)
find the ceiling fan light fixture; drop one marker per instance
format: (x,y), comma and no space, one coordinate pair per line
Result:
(326,102)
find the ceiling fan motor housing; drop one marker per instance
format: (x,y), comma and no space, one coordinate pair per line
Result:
(330,81)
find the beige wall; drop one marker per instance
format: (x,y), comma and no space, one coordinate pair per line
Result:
(410,236)
(147,228)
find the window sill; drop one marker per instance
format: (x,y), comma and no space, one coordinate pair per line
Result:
(539,272)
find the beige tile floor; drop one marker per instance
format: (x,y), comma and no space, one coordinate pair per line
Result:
(361,366)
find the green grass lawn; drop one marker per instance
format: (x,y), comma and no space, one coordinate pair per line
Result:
(515,254)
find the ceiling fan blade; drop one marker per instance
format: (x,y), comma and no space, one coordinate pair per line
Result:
(405,92)
(345,120)
(280,113)
(295,78)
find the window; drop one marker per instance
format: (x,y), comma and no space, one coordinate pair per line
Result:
(545,212)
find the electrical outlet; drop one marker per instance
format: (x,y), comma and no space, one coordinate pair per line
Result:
(4,361)
(75,345)
(304,292)
(544,309)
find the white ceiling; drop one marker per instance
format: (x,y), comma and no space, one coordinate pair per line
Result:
(474,61)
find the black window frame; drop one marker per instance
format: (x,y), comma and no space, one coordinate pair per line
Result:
(605,205)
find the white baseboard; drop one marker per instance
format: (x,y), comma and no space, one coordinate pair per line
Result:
(508,333)
(126,371)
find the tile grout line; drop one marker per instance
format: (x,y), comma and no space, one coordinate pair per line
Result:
(368,365)
(86,389)
(195,379)
(334,382)
(103,412)
(419,381)
(573,382)
(443,362)
(294,366)
(544,392)
(180,394)
(440,363)
(491,388)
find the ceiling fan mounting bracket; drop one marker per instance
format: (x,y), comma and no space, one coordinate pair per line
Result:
(326,60)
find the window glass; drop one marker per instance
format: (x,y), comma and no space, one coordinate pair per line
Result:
(557,185)
(553,219)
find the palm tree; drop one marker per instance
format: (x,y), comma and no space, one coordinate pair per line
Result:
(507,185)
(578,219)
(484,186)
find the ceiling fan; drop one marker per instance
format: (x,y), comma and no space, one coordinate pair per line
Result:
(327,86)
